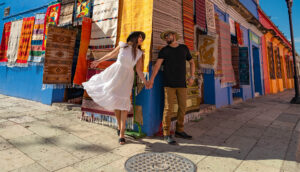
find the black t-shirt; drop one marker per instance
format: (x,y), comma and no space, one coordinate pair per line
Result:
(174,65)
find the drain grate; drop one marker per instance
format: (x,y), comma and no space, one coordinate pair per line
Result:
(159,162)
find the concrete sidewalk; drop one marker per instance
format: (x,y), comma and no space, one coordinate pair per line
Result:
(258,135)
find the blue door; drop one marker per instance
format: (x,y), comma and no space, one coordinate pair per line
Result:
(257,71)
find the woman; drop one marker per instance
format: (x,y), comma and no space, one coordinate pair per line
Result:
(112,88)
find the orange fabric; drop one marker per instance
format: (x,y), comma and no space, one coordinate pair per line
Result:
(81,69)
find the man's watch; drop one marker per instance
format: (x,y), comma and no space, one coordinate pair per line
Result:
(192,77)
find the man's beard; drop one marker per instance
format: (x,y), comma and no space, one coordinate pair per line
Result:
(170,42)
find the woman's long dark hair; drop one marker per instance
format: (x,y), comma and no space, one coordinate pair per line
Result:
(133,37)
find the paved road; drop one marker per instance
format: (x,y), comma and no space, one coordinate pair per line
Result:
(258,135)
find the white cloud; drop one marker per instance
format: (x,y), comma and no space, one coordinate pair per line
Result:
(297,40)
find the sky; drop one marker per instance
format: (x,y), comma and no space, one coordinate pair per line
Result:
(277,10)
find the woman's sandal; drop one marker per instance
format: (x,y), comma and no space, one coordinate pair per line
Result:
(118,132)
(122,141)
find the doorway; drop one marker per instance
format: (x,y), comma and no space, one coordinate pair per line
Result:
(257,71)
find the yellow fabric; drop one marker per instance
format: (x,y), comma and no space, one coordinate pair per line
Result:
(137,16)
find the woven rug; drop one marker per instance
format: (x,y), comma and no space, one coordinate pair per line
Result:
(210,16)
(25,41)
(81,68)
(13,43)
(208,52)
(66,14)
(36,53)
(82,9)
(51,18)
(200,13)
(4,42)
(244,66)
(59,55)
(235,63)
(227,78)
(188,23)
(105,24)
(167,15)
(239,34)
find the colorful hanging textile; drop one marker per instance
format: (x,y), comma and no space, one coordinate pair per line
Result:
(239,34)
(4,42)
(51,18)
(25,41)
(137,16)
(232,26)
(223,29)
(188,23)
(200,13)
(36,53)
(163,21)
(13,43)
(244,66)
(81,68)
(82,9)
(59,55)
(235,63)
(210,16)
(208,52)
(66,14)
(105,24)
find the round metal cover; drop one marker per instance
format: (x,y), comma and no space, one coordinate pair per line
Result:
(146,162)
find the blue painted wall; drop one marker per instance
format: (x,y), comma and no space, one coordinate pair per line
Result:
(25,82)
(251,5)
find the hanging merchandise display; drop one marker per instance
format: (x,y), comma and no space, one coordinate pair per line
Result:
(51,18)
(232,26)
(223,29)
(200,14)
(235,63)
(163,21)
(59,55)
(13,43)
(25,42)
(82,9)
(244,66)
(188,23)
(239,34)
(105,24)
(210,16)
(137,16)
(208,52)
(66,14)
(4,42)
(36,54)
(81,68)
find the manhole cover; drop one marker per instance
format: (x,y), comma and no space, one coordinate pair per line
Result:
(159,162)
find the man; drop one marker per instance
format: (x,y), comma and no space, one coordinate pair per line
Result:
(174,57)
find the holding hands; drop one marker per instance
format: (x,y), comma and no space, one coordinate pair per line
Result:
(149,84)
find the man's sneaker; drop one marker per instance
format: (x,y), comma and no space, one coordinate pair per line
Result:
(182,135)
(169,140)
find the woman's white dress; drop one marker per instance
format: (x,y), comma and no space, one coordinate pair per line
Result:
(112,88)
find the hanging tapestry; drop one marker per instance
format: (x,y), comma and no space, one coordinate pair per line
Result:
(227,78)
(25,41)
(66,14)
(36,53)
(278,63)
(210,16)
(137,16)
(82,9)
(13,43)
(239,34)
(59,55)
(244,66)
(200,14)
(208,52)
(51,18)
(164,21)
(232,26)
(271,61)
(188,23)
(4,42)
(81,68)
(105,24)
(235,63)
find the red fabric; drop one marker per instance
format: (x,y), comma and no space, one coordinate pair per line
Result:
(4,42)
(200,13)
(239,34)
(188,23)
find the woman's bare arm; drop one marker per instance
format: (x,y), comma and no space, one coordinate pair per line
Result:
(139,69)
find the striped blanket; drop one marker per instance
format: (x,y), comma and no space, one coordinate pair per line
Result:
(13,43)
(4,42)
(188,23)
(200,13)
(66,14)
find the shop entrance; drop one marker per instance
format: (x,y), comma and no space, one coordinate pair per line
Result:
(257,72)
